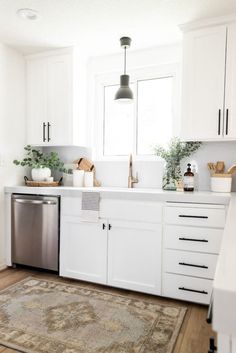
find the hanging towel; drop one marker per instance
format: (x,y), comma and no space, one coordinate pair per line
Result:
(90,206)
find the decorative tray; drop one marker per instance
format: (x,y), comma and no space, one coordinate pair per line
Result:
(42,183)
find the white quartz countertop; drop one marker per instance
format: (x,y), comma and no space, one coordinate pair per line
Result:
(125,193)
(224,308)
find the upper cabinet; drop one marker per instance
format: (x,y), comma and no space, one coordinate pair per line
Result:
(209,84)
(54,114)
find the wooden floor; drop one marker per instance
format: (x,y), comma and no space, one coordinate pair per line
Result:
(194,334)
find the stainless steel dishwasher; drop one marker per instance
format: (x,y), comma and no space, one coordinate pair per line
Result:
(35,231)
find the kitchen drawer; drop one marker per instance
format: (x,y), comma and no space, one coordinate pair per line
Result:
(187,288)
(116,209)
(131,210)
(195,216)
(206,240)
(190,264)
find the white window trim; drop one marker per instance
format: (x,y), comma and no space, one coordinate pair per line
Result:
(151,72)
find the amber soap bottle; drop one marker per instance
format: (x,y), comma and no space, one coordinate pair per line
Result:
(189,179)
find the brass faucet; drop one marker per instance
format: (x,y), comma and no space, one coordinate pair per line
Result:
(131,180)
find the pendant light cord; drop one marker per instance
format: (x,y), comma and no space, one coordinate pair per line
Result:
(125,61)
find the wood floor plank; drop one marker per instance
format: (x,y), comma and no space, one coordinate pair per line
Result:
(194,334)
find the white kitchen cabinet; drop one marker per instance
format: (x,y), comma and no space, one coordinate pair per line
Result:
(36,101)
(203,84)
(134,256)
(226,343)
(209,88)
(192,238)
(127,253)
(83,250)
(230,84)
(53,99)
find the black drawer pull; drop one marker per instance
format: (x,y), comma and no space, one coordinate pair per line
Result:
(193,290)
(49,138)
(219,121)
(192,265)
(103,226)
(189,216)
(44,137)
(198,240)
(227,122)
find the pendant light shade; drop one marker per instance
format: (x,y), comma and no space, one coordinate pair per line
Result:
(124,93)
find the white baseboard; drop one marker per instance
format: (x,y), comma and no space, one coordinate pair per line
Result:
(3,267)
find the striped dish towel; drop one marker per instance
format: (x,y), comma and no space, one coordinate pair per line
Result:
(90,207)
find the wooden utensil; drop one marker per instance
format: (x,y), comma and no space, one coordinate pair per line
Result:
(87,166)
(211,167)
(232,169)
(220,167)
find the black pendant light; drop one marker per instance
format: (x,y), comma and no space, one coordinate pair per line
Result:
(124,93)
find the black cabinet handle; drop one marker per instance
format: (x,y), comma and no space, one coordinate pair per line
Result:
(44,136)
(212,346)
(103,226)
(110,226)
(227,122)
(49,138)
(219,121)
(198,240)
(193,290)
(189,216)
(192,265)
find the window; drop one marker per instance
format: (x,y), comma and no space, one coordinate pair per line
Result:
(154,113)
(118,124)
(135,127)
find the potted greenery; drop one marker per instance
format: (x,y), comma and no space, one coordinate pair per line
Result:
(41,163)
(173,155)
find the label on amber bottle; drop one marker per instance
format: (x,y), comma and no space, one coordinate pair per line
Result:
(188,182)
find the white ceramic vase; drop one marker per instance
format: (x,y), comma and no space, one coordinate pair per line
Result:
(40,174)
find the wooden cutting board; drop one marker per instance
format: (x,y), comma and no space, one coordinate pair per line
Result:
(88,166)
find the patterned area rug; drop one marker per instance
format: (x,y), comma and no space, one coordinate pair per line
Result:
(41,316)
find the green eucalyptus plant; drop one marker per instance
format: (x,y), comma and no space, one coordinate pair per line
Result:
(36,159)
(173,155)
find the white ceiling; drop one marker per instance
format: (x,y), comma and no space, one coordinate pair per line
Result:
(97,25)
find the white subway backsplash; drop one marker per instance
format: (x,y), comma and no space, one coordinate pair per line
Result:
(150,172)
(115,173)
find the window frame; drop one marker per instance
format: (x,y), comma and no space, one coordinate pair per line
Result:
(110,79)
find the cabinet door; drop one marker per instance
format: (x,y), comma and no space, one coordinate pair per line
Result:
(203,84)
(83,250)
(59,105)
(36,101)
(230,87)
(134,256)
(224,343)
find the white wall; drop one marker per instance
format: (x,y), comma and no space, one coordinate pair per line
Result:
(12,125)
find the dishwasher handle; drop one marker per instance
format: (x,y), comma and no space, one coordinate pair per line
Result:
(36,202)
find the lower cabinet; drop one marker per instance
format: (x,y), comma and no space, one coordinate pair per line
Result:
(124,248)
(119,253)
(134,256)
(226,343)
(83,252)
